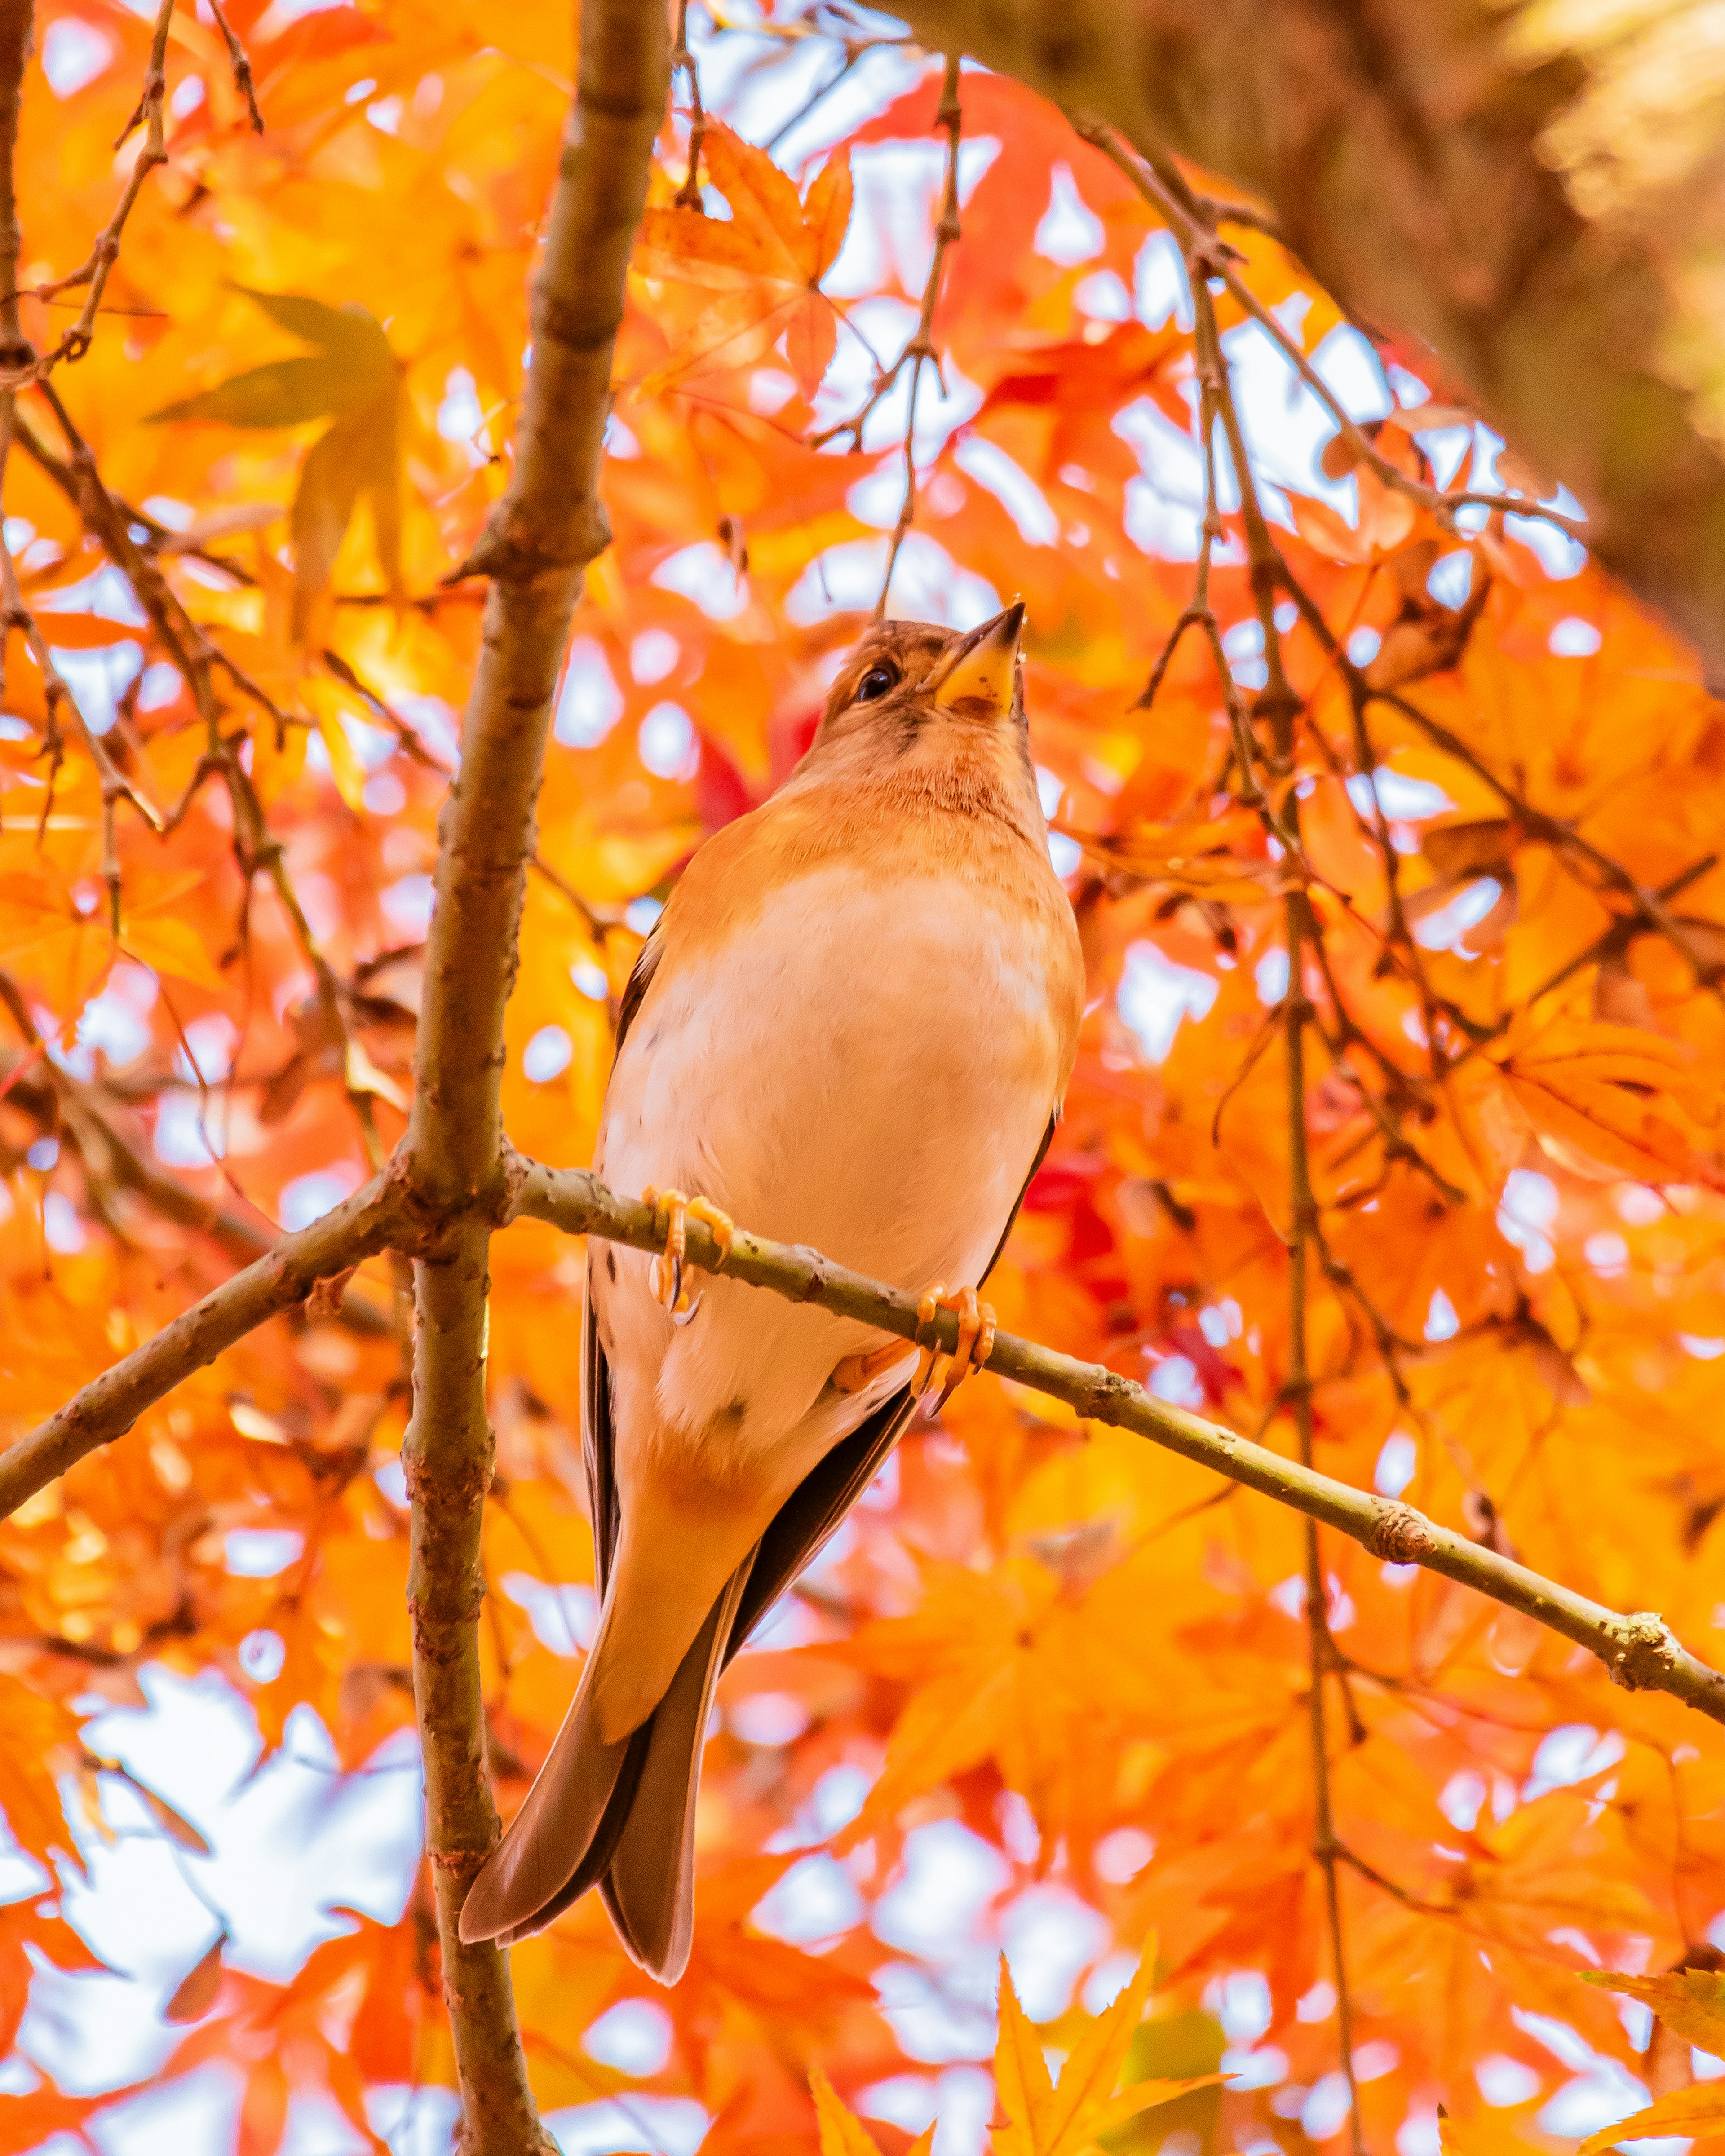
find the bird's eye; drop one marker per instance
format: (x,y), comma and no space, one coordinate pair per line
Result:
(875,684)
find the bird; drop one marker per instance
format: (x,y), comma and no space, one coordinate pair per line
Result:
(853,1026)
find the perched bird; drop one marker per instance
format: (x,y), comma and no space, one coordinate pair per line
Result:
(853,1027)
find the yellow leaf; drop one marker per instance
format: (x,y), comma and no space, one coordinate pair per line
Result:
(345,766)
(1690,2001)
(1086,2083)
(1478,2136)
(1022,2077)
(1698,2112)
(167,945)
(842,2133)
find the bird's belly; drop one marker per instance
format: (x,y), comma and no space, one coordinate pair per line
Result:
(870,1070)
(867,1069)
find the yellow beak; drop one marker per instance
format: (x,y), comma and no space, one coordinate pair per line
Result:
(980,670)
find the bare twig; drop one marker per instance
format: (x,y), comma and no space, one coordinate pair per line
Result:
(15,29)
(1302,1222)
(241,63)
(103,255)
(919,353)
(920,350)
(682,61)
(1193,222)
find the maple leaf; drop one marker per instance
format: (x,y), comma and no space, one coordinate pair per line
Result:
(1043,2118)
(1690,2001)
(352,378)
(1046,2118)
(842,2133)
(1698,2113)
(1612,1096)
(760,270)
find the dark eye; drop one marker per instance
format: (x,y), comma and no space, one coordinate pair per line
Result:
(875,684)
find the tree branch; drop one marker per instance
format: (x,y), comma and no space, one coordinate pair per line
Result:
(535,547)
(108,1406)
(1638,1650)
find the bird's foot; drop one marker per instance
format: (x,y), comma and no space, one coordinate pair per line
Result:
(666,1273)
(938,1374)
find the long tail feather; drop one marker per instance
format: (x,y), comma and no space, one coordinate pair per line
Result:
(622,1814)
(649,1888)
(526,1878)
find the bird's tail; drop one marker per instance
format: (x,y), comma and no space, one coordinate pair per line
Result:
(618,1815)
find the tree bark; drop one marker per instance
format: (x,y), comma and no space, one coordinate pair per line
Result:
(454,1166)
(1409,150)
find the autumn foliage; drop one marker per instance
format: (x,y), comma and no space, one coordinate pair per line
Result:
(1427,748)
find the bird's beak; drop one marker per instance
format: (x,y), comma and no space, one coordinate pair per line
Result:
(981,668)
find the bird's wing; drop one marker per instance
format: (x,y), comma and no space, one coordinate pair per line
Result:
(1018,1203)
(814,1510)
(597,1439)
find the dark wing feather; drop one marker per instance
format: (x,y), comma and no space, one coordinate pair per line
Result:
(598,1447)
(1012,1218)
(640,979)
(814,1510)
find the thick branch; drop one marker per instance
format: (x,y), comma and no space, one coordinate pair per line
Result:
(108,1406)
(540,537)
(1407,154)
(15,29)
(447,1457)
(1638,1650)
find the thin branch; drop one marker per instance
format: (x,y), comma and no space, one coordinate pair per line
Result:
(1280,706)
(682,61)
(239,61)
(920,350)
(1192,223)
(106,252)
(108,1406)
(1639,1652)
(1302,1223)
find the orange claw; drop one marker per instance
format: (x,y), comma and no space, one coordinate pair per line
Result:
(938,1374)
(665,1274)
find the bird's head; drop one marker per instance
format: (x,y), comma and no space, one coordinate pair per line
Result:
(911,687)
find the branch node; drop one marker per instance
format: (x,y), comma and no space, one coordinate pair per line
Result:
(1639,1653)
(1402,1536)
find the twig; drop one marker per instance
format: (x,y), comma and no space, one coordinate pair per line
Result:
(1197,235)
(241,64)
(682,61)
(103,255)
(920,350)
(1302,1221)
(15,26)
(1280,707)
(255,850)
(1639,1652)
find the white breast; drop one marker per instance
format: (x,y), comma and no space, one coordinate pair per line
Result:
(869,1070)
